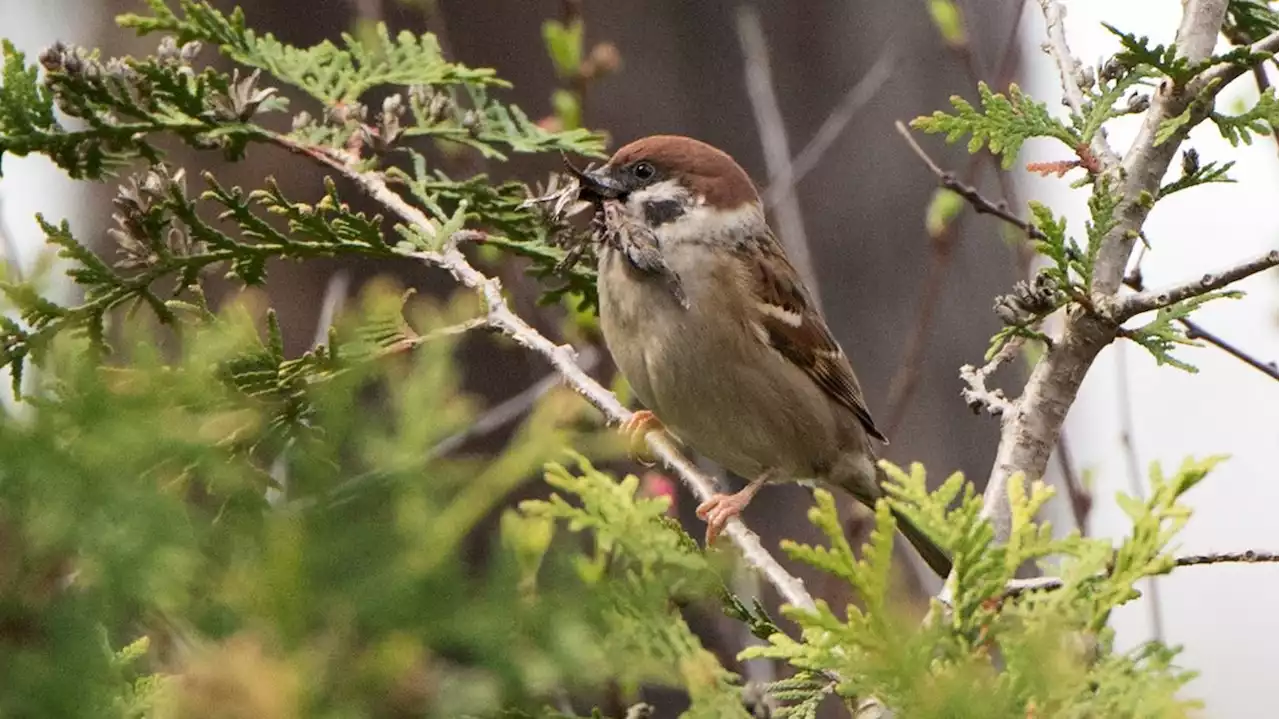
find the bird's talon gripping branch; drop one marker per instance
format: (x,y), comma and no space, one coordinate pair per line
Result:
(721,508)
(639,424)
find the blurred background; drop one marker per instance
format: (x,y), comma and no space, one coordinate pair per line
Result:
(823,83)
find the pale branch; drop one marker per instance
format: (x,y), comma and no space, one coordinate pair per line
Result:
(1224,73)
(335,295)
(1145,164)
(1030,432)
(1071,72)
(1251,556)
(854,100)
(773,138)
(976,393)
(1136,304)
(501,318)
(983,205)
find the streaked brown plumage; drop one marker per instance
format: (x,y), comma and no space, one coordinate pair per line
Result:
(717,334)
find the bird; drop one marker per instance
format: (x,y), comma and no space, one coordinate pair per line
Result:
(717,334)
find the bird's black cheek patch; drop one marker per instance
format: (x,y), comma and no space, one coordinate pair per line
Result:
(660,212)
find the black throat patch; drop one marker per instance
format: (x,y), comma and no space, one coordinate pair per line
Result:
(660,212)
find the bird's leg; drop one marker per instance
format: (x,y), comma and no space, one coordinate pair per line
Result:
(718,510)
(640,423)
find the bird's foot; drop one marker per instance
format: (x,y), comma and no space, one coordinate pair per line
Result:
(641,423)
(721,508)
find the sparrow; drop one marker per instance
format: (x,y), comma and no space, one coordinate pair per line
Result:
(716,333)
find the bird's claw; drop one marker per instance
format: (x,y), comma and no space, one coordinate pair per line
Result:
(717,512)
(639,424)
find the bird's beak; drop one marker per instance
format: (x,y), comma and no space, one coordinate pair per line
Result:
(598,184)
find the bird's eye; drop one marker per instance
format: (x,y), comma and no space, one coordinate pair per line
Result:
(643,171)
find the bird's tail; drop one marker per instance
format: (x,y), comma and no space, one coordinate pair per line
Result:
(865,480)
(929,550)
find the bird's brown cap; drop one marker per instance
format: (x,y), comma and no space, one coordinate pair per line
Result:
(704,169)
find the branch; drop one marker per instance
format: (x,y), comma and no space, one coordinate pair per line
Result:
(1252,556)
(976,395)
(1133,470)
(1138,176)
(510,409)
(1070,71)
(905,381)
(857,97)
(982,205)
(1140,302)
(1078,496)
(562,357)
(773,138)
(1227,71)
(1196,331)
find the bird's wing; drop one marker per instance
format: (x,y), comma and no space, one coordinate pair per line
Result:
(786,319)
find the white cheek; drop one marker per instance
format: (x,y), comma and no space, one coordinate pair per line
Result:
(707,224)
(664,191)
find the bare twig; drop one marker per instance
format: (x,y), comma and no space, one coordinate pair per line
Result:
(512,408)
(976,394)
(562,357)
(335,293)
(1136,304)
(971,195)
(773,138)
(1196,331)
(942,246)
(9,250)
(1079,496)
(855,99)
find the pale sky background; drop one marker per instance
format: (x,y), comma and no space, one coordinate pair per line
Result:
(1227,617)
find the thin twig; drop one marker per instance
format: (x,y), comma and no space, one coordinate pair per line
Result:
(971,195)
(335,293)
(1140,302)
(9,250)
(906,379)
(512,408)
(773,139)
(335,296)
(983,205)
(1133,470)
(1196,331)
(854,100)
(1252,556)
(561,357)
(1079,496)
